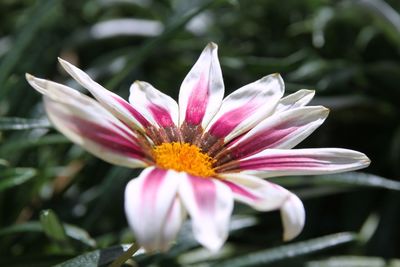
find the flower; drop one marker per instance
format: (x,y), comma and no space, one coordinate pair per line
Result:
(201,154)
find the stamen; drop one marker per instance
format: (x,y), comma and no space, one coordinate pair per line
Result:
(184,157)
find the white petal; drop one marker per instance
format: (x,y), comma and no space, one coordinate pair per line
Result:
(152,208)
(156,106)
(173,223)
(209,204)
(112,102)
(293,217)
(280,162)
(295,100)
(88,124)
(202,89)
(255,192)
(282,130)
(246,107)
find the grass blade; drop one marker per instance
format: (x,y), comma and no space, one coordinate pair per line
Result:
(289,251)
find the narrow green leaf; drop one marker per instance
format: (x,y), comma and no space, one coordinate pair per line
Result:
(387,17)
(290,251)
(52,226)
(38,16)
(344,179)
(22,228)
(96,258)
(369,227)
(320,22)
(51,139)
(350,261)
(71,231)
(171,28)
(4,163)
(14,177)
(13,123)
(79,234)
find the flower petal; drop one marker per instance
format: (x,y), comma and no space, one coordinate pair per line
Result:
(88,124)
(295,100)
(280,162)
(152,208)
(202,89)
(153,104)
(255,192)
(173,223)
(209,203)
(282,130)
(112,102)
(266,196)
(293,217)
(246,107)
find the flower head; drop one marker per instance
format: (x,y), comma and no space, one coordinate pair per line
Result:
(201,153)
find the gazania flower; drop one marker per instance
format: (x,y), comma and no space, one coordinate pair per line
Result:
(201,153)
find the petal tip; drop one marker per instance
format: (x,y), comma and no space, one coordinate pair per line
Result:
(213,246)
(325,111)
(35,82)
(362,158)
(366,161)
(139,83)
(212,45)
(277,76)
(65,64)
(310,91)
(29,77)
(62,61)
(288,236)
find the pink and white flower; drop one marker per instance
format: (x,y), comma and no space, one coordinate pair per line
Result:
(201,153)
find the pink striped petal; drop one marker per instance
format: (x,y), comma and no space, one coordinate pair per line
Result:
(202,89)
(112,102)
(173,223)
(255,192)
(152,208)
(246,107)
(293,217)
(265,196)
(89,125)
(153,104)
(280,162)
(282,130)
(295,100)
(209,204)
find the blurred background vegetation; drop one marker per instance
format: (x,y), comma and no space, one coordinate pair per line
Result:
(58,204)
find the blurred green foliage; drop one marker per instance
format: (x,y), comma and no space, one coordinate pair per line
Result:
(57,202)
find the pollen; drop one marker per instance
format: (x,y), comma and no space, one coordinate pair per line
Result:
(183,157)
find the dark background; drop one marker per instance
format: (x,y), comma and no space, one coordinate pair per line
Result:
(348,51)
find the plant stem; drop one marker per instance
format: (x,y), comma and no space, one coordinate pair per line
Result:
(125,256)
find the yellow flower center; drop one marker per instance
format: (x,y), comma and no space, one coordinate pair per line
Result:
(183,157)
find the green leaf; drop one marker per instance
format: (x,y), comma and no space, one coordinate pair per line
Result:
(38,16)
(344,179)
(96,258)
(79,234)
(387,18)
(289,251)
(13,177)
(51,139)
(13,123)
(352,261)
(52,226)
(172,27)
(22,228)
(71,231)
